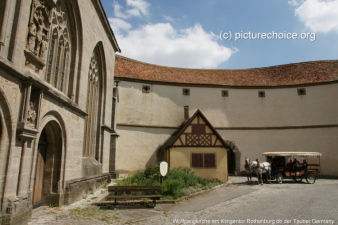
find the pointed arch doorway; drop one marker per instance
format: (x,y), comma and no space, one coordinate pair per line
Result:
(48,166)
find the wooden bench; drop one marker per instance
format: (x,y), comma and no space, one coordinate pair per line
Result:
(125,191)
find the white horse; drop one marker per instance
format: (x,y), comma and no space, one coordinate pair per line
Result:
(248,170)
(264,167)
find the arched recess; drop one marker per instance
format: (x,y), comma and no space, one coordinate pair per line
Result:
(5,143)
(95,105)
(234,156)
(49,161)
(72,10)
(100,49)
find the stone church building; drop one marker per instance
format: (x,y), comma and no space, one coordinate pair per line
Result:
(56,90)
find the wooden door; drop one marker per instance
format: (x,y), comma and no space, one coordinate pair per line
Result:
(40,167)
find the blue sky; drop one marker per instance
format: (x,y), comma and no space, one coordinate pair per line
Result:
(196,34)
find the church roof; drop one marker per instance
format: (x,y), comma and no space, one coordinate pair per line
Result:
(314,72)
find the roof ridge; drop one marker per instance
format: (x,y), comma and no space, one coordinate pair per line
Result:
(253,68)
(304,73)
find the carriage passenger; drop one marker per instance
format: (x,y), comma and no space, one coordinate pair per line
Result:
(295,164)
(304,165)
(289,165)
(281,162)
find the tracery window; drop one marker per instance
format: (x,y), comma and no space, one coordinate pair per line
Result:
(58,57)
(91,129)
(48,42)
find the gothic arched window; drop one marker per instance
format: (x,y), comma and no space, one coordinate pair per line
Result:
(59,50)
(53,44)
(48,46)
(93,105)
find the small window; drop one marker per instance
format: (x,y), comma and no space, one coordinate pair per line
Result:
(197,160)
(209,160)
(145,89)
(225,93)
(186,91)
(301,91)
(261,94)
(203,160)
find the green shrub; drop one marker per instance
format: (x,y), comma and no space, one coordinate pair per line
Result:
(178,181)
(187,175)
(172,187)
(136,179)
(153,173)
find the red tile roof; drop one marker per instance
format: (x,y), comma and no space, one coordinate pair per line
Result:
(282,75)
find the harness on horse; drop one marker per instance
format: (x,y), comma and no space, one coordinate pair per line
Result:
(258,165)
(258,168)
(248,165)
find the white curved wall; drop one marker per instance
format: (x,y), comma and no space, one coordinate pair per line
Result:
(280,121)
(281,107)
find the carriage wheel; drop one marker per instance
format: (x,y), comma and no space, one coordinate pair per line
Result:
(279,178)
(310,178)
(299,178)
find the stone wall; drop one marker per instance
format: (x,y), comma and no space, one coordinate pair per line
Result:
(46,48)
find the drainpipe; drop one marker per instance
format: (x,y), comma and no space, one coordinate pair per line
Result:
(186,113)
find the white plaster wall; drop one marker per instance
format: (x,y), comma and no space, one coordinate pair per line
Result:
(243,108)
(160,107)
(137,146)
(252,143)
(282,121)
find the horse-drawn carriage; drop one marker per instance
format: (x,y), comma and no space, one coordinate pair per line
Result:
(286,165)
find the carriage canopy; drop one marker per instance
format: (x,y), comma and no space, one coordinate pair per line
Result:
(302,154)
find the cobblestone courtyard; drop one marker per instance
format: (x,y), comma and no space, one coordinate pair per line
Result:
(239,203)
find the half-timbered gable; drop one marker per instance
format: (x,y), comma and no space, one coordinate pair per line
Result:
(199,146)
(198,132)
